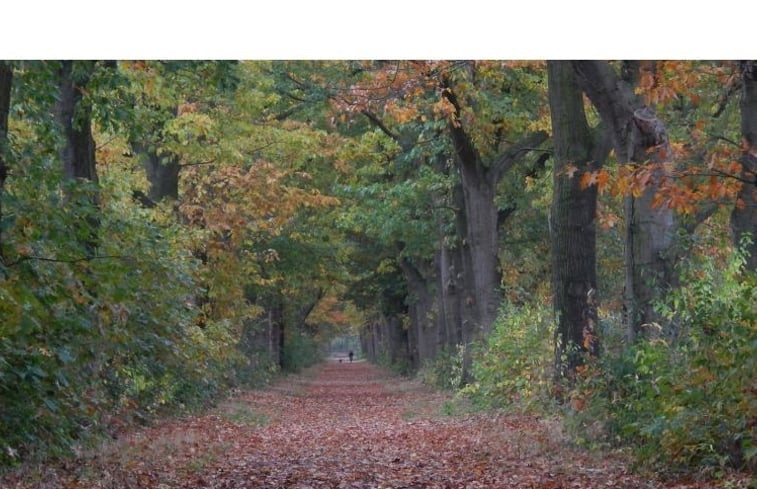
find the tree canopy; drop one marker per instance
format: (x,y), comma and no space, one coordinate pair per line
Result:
(578,231)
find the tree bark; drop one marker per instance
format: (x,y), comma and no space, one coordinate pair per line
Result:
(78,151)
(479,182)
(6,81)
(650,233)
(278,327)
(162,171)
(424,320)
(574,278)
(744,214)
(163,176)
(397,338)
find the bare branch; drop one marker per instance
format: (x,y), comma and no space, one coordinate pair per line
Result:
(732,87)
(380,124)
(209,162)
(67,260)
(464,148)
(506,160)
(290,111)
(100,146)
(724,139)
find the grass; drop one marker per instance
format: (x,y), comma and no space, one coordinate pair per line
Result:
(241,413)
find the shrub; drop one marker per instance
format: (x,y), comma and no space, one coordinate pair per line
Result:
(445,370)
(514,368)
(688,402)
(300,351)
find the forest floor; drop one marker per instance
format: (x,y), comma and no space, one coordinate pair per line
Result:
(344,425)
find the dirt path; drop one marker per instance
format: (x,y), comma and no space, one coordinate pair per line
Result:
(349,427)
(346,425)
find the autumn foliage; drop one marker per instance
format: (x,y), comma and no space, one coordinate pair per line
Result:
(175,234)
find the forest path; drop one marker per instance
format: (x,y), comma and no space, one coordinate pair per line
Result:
(352,427)
(342,425)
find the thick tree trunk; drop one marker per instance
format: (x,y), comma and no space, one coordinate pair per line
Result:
(163,176)
(399,342)
(450,281)
(78,151)
(397,337)
(6,81)
(477,223)
(744,214)
(483,294)
(162,170)
(574,278)
(479,182)
(650,233)
(278,328)
(423,312)
(370,340)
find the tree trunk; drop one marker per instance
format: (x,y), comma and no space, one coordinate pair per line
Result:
(422,309)
(483,295)
(78,151)
(650,233)
(479,182)
(370,341)
(744,214)
(397,338)
(277,325)
(450,277)
(6,81)
(163,176)
(574,278)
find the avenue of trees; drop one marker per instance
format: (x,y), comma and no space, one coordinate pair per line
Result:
(564,236)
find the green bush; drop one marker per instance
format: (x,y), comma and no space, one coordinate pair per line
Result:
(445,370)
(90,345)
(300,351)
(688,402)
(399,366)
(514,368)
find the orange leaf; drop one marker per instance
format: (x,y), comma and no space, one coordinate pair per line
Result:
(588,178)
(602,178)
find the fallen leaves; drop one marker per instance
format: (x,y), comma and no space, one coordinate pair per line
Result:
(347,426)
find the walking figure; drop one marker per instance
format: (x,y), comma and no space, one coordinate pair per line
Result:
(351,355)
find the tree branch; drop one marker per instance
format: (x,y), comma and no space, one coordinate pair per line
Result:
(464,148)
(102,145)
(731,88)
(735,177)
(613,98)
(718,137)
(690,225)
(66,260)
(506,160)
(283,115)
(380,124)
(209,162)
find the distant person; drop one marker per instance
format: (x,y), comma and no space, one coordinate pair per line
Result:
(351,355)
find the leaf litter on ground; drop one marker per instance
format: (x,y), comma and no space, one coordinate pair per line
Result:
(346,425)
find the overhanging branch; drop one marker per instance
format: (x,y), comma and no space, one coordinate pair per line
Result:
(380,124)
(67,260)
(466,152)
(506,160)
